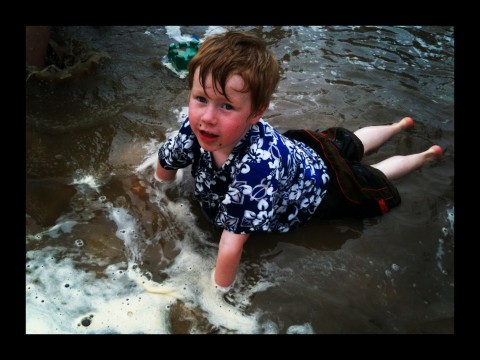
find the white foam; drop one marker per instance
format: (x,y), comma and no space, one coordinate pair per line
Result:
(65,296)
(55,230)
(175,33)
(451,217)
(300,329)
(191,276)
(447,231)
(88,180)
(269,327)
(150,161)
(182,74)
(60,298)
(151,155)
(212,30)
(152,146)
(127,231)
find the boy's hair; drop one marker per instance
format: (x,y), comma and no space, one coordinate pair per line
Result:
(237,53)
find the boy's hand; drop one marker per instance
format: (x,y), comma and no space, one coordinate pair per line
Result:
(176,180)
(218,287)
(164,175)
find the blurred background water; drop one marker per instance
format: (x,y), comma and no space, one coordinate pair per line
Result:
(108,251)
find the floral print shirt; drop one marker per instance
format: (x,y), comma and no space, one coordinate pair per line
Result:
(269,183)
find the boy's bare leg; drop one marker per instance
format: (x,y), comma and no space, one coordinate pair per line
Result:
(373,137)
(398,166)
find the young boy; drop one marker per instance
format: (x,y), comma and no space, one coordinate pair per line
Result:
(249,178)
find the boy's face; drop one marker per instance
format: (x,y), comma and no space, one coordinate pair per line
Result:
(218,123)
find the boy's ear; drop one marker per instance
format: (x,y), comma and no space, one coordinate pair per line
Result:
(258,114)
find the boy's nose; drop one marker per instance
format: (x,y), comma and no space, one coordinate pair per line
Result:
(209,115)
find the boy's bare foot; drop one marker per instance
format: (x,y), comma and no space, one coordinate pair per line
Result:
(406,123)
(437,150)
(434,152)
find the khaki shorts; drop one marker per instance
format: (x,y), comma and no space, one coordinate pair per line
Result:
(355,189)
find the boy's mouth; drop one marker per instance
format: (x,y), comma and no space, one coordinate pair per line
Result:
(207,136)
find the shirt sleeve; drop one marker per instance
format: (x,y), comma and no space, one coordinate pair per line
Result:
(177,152)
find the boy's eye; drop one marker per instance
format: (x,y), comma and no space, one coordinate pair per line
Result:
(227,107)
(201,99)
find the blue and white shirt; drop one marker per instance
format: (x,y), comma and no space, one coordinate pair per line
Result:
(269,183)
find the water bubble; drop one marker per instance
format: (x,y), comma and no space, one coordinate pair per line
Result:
(86,322)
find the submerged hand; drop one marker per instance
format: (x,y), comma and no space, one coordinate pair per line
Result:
(218,287)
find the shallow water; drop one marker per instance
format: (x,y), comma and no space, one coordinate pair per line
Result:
(107,251)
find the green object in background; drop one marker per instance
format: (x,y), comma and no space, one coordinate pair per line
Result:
(180,54)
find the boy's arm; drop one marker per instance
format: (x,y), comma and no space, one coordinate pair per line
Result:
(228,258)
(162,174)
